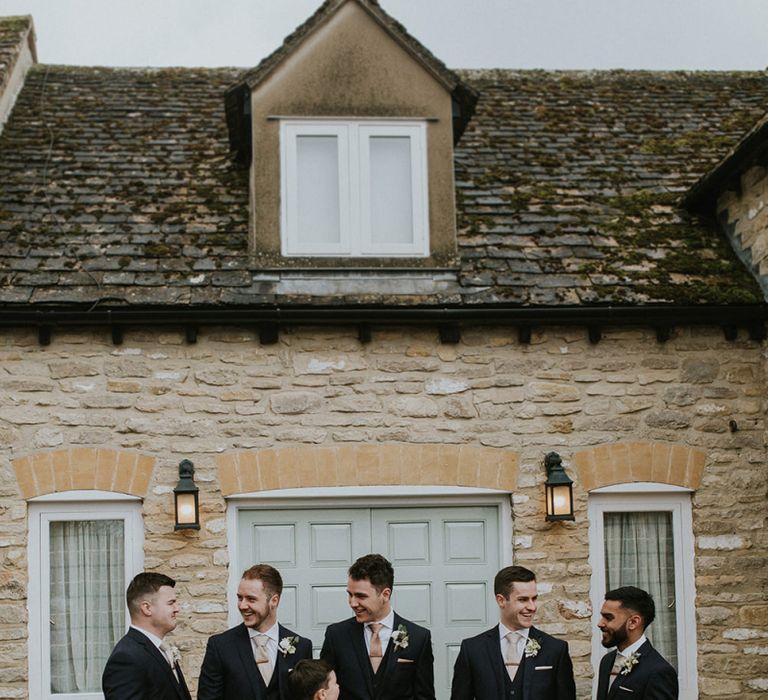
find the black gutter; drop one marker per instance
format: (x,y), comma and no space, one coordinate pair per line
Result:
(662,318)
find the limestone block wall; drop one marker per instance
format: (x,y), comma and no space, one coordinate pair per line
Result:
(745,215)
(688,411)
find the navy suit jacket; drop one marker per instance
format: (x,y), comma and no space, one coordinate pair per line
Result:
(479,671)
(405,673)
(229,671)
(651,678)
(137,670)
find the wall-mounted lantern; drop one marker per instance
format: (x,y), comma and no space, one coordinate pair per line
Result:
(559,489)
(185,498)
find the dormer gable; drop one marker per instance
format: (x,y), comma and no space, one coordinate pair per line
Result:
(348,129)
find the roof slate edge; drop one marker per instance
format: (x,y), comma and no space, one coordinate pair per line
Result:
(751,150)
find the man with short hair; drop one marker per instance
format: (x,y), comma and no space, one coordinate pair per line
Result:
(378,655)
(251,661)
(312,680)
(143,666)
(513,658)
(635,669)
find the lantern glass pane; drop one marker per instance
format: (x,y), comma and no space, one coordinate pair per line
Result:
(185,509)
(561,500)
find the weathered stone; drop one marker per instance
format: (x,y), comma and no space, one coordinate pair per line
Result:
(294,402)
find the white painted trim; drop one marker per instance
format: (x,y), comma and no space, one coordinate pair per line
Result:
(679,504)
(363,496)
(83,496)
(352,140)
(38,601)
(642,487)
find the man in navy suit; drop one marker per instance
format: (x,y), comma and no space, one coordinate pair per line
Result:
(142,666)
(378,655)
(635,669)
(251,661)
(514,659)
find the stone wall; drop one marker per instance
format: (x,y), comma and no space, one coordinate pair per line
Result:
(745,217)
(160,399)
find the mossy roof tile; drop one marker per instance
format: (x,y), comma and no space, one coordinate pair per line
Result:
(117,185)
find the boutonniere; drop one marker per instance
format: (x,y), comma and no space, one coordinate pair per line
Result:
(175,655)
(629,663)
(400,637)
(532,647)
(288,645)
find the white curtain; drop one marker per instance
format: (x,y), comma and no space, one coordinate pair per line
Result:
(639,551)
(87,579)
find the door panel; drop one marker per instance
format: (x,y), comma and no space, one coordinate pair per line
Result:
(445,559)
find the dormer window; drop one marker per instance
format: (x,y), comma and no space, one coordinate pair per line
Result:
(354,188)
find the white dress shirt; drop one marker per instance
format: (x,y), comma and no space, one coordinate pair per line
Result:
(273,639)
(385,633)
(521,636)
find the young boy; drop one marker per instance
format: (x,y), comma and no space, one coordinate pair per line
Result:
(312,680)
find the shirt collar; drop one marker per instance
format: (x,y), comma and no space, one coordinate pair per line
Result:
(273,633)
(632,648)
(388,621)
(152,637)
(504,631)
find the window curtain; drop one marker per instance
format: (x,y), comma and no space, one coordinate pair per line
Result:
(639,551)
(87,579)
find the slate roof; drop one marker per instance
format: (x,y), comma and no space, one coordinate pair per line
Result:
(12,30)
(117,188)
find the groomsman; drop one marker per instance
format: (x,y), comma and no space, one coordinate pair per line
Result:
(635,669)
(252,661)
(378,655)
(514,659)
(143,665)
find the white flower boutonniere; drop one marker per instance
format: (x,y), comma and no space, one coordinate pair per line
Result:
(400,637)
(531,648)
(288,645)
(629,663)
(175,655)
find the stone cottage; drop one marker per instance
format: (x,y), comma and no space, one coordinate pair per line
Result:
(366,296)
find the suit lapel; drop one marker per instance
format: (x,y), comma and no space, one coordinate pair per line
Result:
(245,652)
(160,660)
(527,663)
(357,637)
(496,660)
(389,662)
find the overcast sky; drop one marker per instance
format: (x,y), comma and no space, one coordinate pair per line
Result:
(568,34)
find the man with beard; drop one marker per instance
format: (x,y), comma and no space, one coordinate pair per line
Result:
(252,661)
(514,659)
(635,669)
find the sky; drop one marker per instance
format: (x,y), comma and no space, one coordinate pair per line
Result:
(549,34)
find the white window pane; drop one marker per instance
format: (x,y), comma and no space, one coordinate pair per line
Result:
(318,189)
(87,606)
(639,551)
(391,189)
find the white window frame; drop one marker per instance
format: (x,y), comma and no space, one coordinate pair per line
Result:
(73,505)
(639,498)
(353,138)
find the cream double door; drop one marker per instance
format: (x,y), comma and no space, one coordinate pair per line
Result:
(445,559)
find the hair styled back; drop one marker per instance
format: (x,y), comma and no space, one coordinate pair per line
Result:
(143,586)
(268,575)
(375,569)
(307,677)
(510,575)
(635,599)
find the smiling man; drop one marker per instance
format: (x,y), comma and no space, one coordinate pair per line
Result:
(378,655)
(514,659)
(635,669)
(142,665)
(252,661)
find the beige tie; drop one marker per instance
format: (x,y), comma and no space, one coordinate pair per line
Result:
(618,662)
(512,659)
(375,654)
(262,657)
(166,649)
